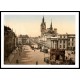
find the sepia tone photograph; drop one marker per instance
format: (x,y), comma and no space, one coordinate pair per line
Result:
(40,39)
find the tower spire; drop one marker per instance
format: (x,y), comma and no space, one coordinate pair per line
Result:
(43,26)
(51,25)
(43,19)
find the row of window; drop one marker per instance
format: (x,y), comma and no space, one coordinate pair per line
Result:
(71,39)
(64,41)
(66,37)
(62,36)
(70,43)
(63,46)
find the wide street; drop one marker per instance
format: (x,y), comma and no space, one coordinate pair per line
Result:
(29,56)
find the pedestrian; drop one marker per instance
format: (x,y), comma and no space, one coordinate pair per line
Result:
(17,61)
(34,50)
(36,62)
(70,61)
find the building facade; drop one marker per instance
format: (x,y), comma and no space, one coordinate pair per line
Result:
(23,39)
(9,41)
(51,39)
(63,41)
(47,31)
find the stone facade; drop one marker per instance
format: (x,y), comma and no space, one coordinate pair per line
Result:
(63,41)
(51,39)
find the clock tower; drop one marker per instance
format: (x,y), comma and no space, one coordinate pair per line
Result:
(43,27)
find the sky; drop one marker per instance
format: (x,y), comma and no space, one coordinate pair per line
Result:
(30,24)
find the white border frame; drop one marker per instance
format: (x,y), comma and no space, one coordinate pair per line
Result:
(41,66)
